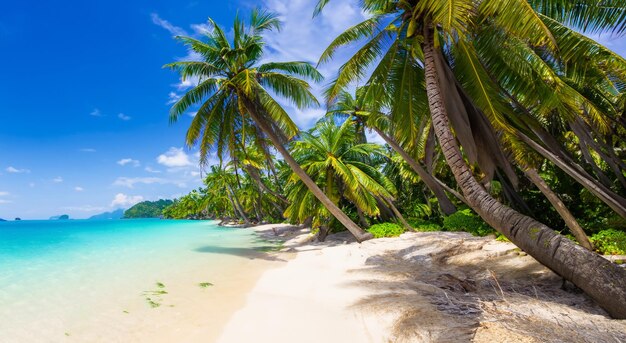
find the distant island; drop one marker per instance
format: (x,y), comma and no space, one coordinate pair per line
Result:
(61,217)
(18,218)
(117,214)
(147,209)
(2,220)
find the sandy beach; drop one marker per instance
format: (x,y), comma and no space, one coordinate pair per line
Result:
(420,287)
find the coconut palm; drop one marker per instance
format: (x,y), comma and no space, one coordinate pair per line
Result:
(359,108)
(221,180)
(462,96)
(342,166)
(234,90)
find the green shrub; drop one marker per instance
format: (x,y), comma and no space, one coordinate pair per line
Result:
(610,242)
(466,220)
(386,230)
(421,225)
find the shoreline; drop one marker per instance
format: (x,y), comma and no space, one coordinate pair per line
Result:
(419,287)
(125,283)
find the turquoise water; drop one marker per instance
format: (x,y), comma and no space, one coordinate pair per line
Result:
(54,274)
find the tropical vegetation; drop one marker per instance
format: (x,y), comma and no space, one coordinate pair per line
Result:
(497,116)
(147,209)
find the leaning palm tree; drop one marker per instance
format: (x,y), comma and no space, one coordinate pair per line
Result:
(234,90)
(221,181)
(342,166)
(362,109)
(466,104)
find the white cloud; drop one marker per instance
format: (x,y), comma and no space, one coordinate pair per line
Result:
(128,161)
(171,28)
(304,38)
(154,171)
(14,170)
(201,29)
(95,113)
(124,117)
(373,137)
(174,157)
(4,201)
(79,189)
(57,179)
(122,200)
(87,150)
(191,81)
(130,182)
(172,98)
(305,117)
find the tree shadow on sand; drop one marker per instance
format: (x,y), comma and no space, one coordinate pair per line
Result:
(260,252)
(442,290)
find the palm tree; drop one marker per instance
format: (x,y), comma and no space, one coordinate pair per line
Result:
(220,180)
(359,108)
(334,158)
(233,91)
(469,101)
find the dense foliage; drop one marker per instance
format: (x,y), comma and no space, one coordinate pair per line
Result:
(386,230)
(466,220)
(147,209)
(610,242)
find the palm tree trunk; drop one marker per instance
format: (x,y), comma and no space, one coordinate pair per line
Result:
(261,187)
(614,201)
(452,191)
(362,219)
(255,175)
(232,203)
(583,131)
(602,280)
(559,206)
(358,233)
(324,230)
(399,215)
(237,205)
(446,205)
(559,158)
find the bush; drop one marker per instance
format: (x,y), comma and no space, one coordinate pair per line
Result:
(424,225)
(386,230)
(466,220)
(610,242)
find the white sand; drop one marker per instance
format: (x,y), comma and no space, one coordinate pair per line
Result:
(420,287)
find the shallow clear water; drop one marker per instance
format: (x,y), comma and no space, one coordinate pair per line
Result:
(54,274)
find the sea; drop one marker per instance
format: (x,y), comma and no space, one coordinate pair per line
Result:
(107,280)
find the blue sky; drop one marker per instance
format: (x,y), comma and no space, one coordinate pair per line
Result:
(84,99)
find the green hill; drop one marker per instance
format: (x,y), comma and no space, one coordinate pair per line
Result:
(147,209)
